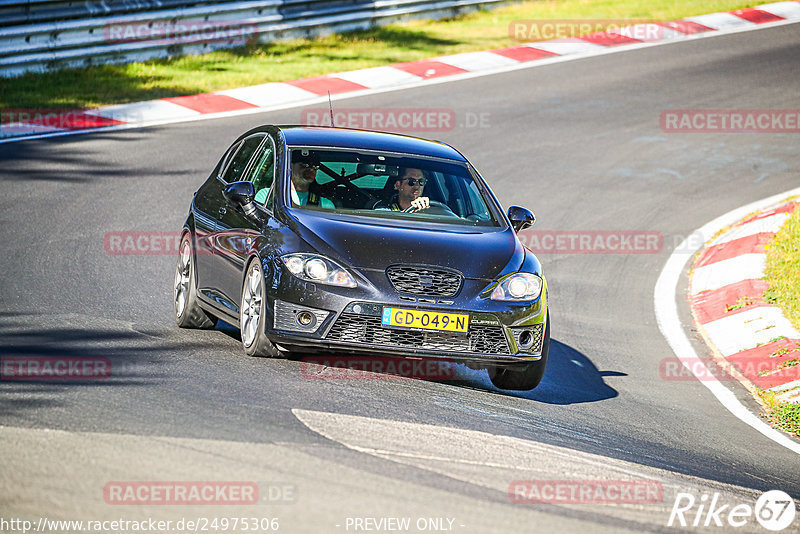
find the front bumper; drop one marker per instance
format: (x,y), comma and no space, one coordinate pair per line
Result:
(358,328)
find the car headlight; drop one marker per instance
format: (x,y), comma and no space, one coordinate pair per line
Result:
(316,268)
(518,286)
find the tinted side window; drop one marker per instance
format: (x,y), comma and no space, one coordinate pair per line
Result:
(262,172)
(270,202)
(223,163)
(239,161)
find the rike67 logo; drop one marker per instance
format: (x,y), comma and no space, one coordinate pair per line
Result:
(774,510)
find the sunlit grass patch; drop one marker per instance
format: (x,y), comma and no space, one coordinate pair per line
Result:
(282,61)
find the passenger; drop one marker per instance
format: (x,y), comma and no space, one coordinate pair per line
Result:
(408,192)
(304,175)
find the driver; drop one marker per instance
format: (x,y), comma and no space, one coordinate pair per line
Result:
(304,176)
(408,193)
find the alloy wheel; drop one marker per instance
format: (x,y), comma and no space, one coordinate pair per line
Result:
(251,306)
(182,278)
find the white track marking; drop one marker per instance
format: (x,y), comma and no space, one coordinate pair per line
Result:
(649,32)
(722,273)
(476,60)
(30,129)
(567,48)
(788,393)
(378,77)
(748,329)
(268,94)
(494,461)
(769,224)
(720,21)
(150,110)
(666,308)
(598,51)
(786,10)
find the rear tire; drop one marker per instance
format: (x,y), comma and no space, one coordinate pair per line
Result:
(252,320)
(188,313)
(526,377)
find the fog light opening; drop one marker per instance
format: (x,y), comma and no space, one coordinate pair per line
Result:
(306,319)
(525,339)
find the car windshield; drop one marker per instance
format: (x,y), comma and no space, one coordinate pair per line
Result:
(371,184)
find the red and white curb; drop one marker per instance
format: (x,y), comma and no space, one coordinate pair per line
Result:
(726,297)
(670,287)
(280,95)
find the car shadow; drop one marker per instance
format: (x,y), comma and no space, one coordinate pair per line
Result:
(570,377)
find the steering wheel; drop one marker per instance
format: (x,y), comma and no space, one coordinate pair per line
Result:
(436,208)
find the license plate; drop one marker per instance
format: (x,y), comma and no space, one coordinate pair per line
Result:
(425,320)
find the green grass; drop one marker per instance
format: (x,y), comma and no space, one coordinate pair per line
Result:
(255,64)
(782,415)
(785,350)
(782,270)
(787,417)
(742,302)
(785,365)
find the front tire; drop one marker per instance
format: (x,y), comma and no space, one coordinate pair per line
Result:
(526,377)
(188,313)
(252,320)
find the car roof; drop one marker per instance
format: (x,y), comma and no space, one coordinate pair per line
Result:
(365,139)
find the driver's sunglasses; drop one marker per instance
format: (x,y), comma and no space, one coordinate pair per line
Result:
(414,181)
(305,165)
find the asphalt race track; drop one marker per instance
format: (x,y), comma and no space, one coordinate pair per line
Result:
(579,142)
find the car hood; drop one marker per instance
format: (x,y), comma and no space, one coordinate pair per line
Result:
(371,244)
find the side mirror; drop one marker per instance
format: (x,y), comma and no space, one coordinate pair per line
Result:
(242,193)
(520,218)
(239,193)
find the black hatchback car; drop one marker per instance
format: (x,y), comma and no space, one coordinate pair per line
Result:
(314,239)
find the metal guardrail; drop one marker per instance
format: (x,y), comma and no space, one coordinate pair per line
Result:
(15,12)
(136,30)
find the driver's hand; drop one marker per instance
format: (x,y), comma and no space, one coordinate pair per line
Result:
(421,203)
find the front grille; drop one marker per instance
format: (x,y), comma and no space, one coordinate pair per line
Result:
(366,329)
(424,280)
